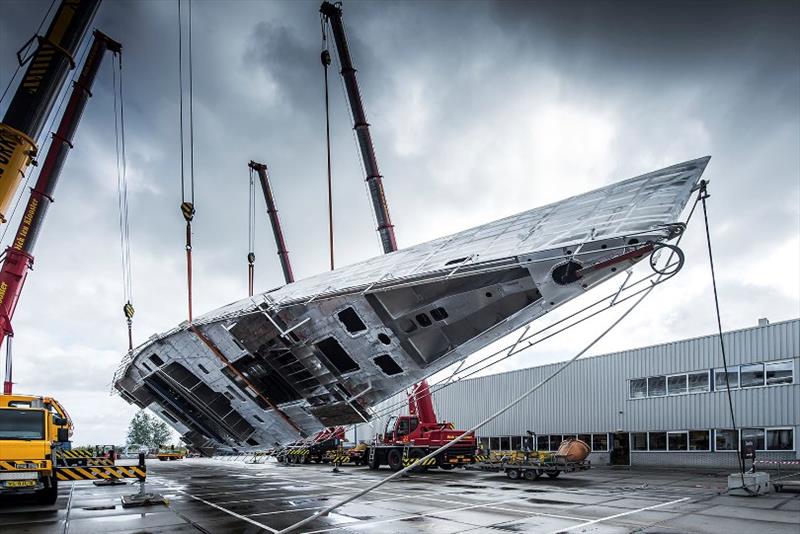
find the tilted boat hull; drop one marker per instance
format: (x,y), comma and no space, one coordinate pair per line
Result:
(322,351)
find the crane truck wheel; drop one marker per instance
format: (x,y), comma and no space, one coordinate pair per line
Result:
(513,474)
(49,494)
(531,474)
(416,454)
(447,467)
(395,460)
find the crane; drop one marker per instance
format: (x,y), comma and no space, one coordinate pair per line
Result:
(33,100)
(18,258)
(333,14)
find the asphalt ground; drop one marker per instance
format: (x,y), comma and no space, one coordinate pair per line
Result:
(214,496)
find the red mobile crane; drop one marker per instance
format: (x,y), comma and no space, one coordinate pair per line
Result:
(18,258)
(413,436)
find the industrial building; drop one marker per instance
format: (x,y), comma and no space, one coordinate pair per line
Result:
(659,405)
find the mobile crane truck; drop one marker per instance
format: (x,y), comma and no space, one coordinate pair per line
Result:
(27,456)
(408,438)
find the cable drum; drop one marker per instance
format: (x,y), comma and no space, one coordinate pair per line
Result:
(671,268)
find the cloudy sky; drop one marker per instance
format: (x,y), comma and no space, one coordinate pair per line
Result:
(479,110)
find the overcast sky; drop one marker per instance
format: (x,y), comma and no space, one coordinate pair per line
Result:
(479,110)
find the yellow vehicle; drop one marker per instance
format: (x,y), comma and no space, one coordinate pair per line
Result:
(171,454)
(29,429)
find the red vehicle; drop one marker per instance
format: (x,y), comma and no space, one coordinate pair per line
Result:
(413,436)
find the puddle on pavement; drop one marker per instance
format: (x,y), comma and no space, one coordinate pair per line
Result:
(471,486)
(547,501)
(108,507)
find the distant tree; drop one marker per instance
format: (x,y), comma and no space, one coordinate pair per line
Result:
(160,432)
(140,430)
(144,429)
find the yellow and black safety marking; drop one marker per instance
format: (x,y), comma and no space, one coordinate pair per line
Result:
(339,459)
(75,453)
(481,458)
(417,461)
(101,473)
(20,465)
(299,452)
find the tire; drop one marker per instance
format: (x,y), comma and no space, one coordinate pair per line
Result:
(375,464)
(553,474)
(49,494)
(531,474)
(447,467)
(513,474)
(395,459)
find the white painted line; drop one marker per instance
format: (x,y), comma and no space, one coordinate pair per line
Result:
(221,509)
(401,518)
(630,512)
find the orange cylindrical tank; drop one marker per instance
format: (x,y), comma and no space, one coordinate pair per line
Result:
(573,450)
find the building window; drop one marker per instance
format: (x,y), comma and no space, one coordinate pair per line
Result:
(639,441)
(586,438)
(678,441)
(504,444)
(780,439)
(698,382)
(639,388)
(516,443)
(555,442)
(778,373)
(542,443)
(726,440)
(699,440)
(733,378)
(657,441)
(599,442)
(756,435)
(752,375)
(656,386)
(495,444)
(676,385)
(484,444)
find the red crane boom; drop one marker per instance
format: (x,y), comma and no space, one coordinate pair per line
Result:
(18,259)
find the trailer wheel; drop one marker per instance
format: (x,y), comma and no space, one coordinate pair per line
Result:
(513,474)
(532,474)
(395,460)
(553,474)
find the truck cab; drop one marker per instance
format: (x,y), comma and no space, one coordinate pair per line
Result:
(27,462)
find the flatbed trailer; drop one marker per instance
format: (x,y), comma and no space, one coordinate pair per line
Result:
(532,467)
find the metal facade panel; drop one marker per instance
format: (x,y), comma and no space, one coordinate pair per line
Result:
(589,396)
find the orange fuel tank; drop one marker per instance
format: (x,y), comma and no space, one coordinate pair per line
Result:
(573,450)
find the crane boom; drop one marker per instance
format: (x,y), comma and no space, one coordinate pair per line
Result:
(333,13)
(275,221)
(19,256)
(33,100)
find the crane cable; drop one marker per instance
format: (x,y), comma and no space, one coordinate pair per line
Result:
(187,192)
(325,58)
(251,234)
(122,193)
(702,196)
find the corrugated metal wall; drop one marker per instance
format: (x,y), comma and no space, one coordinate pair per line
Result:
(592,395)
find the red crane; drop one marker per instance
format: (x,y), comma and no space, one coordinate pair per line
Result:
(18,258)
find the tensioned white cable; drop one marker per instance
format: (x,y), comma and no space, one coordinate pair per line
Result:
(497,414)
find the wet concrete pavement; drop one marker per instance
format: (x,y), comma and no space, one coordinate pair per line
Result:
(214,496)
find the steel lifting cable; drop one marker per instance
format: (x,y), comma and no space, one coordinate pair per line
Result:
(187,197)
(702,196)
(122,194)
(251,234)
(325,58)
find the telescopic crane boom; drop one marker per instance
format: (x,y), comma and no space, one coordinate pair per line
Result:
(33,101)
(274,220)
(18,258)
(333,14)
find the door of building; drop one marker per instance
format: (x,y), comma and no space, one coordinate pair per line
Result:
(621,450)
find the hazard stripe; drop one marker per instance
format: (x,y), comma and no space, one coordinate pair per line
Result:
(96,473)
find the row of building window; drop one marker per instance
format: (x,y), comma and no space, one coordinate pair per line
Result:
(544,442)
(765,439)
(739,376)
